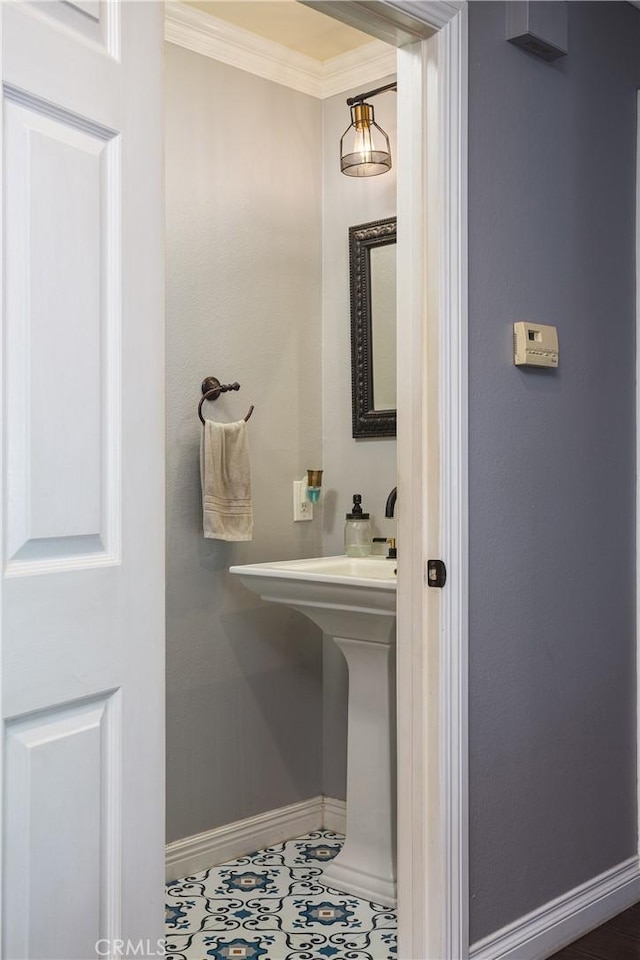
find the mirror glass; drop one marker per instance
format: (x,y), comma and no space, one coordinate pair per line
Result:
(383,325)
(372,259)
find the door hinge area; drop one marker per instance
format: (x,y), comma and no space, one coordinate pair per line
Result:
(436,573)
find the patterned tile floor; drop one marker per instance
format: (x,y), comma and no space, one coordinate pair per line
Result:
(273,905)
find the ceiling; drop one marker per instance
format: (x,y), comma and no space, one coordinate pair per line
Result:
(289,23)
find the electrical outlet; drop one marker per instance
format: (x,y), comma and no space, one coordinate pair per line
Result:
(302,507)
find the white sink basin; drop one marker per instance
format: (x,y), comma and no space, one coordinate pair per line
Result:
(353,600)
(345,596)
(356,570)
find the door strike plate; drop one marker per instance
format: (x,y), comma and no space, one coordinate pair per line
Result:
(436,573)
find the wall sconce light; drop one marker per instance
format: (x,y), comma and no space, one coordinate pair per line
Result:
(364,146)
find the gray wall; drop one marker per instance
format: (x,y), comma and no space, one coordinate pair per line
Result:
(351,466)
(244,302)
(258,290)
(552,726)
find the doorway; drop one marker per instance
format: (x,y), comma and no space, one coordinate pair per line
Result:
(432,521)
(258,284)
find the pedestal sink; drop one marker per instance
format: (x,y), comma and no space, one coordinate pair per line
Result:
(353,600)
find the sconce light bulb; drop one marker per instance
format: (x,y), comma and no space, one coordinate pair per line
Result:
(363,145)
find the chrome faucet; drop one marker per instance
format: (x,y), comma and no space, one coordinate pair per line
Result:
(391,503)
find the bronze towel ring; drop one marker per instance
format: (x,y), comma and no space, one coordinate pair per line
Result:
(211,390)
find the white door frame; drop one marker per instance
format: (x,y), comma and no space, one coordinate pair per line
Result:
(432,649)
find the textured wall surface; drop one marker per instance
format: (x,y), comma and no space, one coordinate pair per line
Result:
(258,290)
(351,466)
(244,178)
(552,156)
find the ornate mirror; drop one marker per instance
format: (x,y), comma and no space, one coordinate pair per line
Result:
(372,262)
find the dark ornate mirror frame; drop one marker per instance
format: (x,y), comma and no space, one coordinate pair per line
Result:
(366,421)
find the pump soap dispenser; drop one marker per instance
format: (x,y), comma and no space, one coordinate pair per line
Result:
(357,531)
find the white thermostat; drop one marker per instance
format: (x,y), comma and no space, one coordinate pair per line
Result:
(535,345)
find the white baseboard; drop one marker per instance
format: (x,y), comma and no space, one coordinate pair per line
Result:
(193,854)
(334,815)
(549,928)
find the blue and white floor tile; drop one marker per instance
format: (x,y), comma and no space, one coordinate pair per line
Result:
(273,905)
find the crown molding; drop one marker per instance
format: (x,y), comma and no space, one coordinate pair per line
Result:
(195,30)
(357,68)
(437,13)
(198,31)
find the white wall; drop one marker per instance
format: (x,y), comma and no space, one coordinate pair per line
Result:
(351,466)
(244,182)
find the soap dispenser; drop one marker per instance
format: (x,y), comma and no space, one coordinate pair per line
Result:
(357,530)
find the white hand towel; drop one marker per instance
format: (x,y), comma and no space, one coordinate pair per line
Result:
(227,508)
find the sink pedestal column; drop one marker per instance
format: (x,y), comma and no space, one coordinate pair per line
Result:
(366,866)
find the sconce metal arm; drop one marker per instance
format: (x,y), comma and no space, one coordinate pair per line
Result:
(361,97)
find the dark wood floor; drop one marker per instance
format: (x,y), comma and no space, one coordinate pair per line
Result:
(617,940)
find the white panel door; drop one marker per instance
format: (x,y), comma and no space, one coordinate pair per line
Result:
(82,642)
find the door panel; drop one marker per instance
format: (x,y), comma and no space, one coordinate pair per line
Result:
(62,189)
(89,18)
(62,764)
(82,646)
